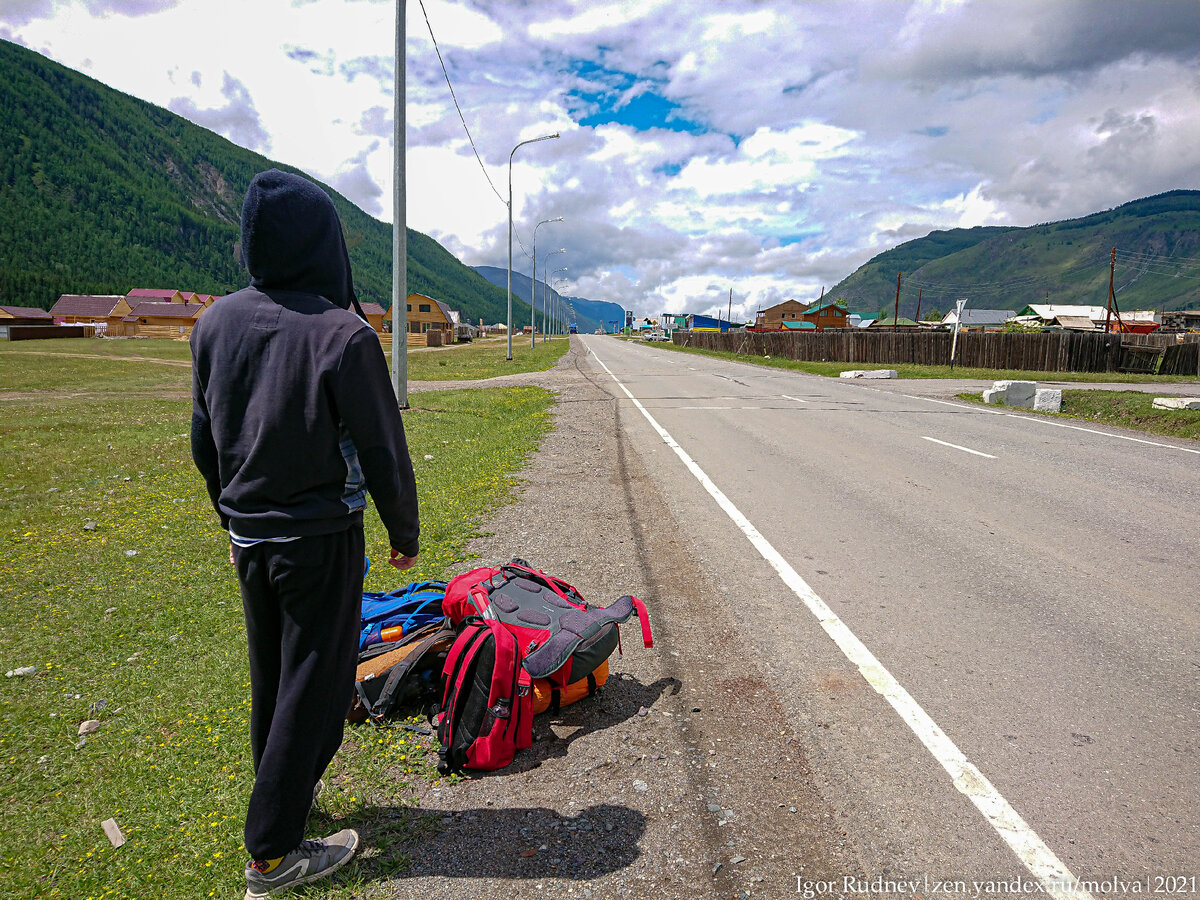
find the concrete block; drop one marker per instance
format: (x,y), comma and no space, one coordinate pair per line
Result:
(1048,400)
(993,396)
(1017,393)
(869,373)
(1177,402)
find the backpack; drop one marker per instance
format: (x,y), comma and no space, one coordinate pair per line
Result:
(402,673)
(390,616)
(561,637)
(486,713)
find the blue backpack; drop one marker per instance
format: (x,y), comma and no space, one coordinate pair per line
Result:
(407,608)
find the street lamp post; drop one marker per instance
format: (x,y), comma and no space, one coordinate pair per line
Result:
(533,287)
(544,137)
(546,291)
(559,301)
(399,220)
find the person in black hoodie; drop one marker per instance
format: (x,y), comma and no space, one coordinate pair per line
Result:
(294,420)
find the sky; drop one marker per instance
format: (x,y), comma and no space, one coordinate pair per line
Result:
(763,147)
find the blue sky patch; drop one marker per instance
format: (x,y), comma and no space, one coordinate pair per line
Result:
(934,131)
(606,99)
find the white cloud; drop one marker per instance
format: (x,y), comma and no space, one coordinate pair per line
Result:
(827,131)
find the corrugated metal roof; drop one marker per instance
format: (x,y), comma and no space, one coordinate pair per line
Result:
(28,312)
(167,310)
(86,304)
(148,293)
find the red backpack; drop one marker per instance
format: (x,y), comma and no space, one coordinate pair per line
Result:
(560,635)
(519,624)
(486,713)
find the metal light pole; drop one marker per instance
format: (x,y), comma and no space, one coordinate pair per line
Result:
(544,137)
(558,301)
(533,286)
(546,290)
(399,224)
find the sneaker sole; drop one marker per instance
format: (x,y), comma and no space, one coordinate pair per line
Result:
(309,879)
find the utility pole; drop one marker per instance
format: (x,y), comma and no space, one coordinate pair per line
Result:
(729,311)
(896,314)
(1112,269)
(920,291)
(399,223)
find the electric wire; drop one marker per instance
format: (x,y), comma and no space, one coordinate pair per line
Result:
(463,119)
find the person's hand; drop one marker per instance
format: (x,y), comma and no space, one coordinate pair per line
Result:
(232,562)
(401,562)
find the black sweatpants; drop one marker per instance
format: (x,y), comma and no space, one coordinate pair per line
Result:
(303,605)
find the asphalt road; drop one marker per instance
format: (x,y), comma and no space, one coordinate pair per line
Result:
(986,623)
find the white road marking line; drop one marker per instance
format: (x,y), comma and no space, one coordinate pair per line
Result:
(956,447)
(1039,859)
(990,412)
(1123,437)
(797,399)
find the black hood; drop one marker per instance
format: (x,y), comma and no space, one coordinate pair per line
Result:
(292,239)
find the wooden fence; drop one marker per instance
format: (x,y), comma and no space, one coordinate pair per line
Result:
(1055,351)
(1181,359)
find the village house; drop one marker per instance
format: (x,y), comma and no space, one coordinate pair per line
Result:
(428,322)
(161,320)
(375,315)
(105,311)
(979,319)
(819,315)
(26,315)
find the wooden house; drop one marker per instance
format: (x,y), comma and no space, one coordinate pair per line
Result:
(26,315)
(154,295)
(822,314)
(774,317)
(826,314)
(105,311)
(424,316)
(162,319)
(375,315)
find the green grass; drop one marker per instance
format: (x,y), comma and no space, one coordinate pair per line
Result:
(1127,409)
(151,643)
(484,359)
(833,369)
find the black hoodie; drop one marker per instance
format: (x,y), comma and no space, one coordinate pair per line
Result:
(293,410)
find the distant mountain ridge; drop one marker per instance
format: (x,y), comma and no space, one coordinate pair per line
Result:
(102,193)
(591,314)
(1158,263)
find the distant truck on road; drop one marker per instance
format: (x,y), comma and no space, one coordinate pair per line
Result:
(572,328)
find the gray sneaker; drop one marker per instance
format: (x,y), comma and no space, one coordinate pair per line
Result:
(311,861)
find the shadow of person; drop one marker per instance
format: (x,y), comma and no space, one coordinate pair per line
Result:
(518,843)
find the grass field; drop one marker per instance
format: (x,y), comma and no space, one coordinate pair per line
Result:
(833,369)
(484,359)
(118,591)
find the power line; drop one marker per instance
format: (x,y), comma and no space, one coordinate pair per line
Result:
(463,119)
(453,97)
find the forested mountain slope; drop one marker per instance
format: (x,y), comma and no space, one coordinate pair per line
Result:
(102,193)
(1157,240)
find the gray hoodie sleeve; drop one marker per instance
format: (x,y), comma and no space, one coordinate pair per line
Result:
(368,409)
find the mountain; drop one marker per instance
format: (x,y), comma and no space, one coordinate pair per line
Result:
(589,314)
(1157,265)
(102,193)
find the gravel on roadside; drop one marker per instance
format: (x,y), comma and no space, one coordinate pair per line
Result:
(682,778)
